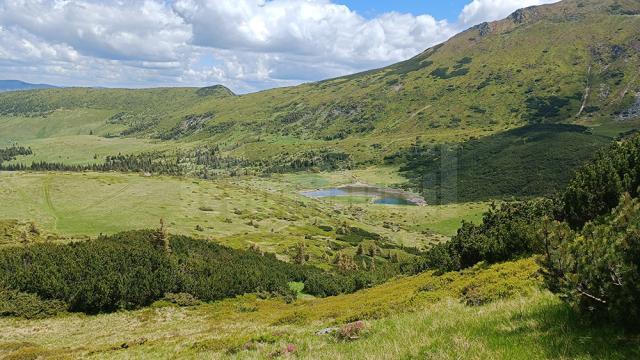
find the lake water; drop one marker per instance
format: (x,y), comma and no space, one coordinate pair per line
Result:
(379,195)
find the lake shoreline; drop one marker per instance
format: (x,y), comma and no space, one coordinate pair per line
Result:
(377,193)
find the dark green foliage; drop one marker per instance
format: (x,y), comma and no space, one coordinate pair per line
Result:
(355,235)
(28,306)
(598,186)
(531,161)
(123,271)
(209,271)
(598,268)
(507,232)
(203,162)
(134,269)
(319,160)
(443,72)
(12,152)
(410,65)
(549,109)
(593,258)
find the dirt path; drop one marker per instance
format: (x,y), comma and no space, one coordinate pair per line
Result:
(46,189)
(104,199)
(419,111)
(586,93)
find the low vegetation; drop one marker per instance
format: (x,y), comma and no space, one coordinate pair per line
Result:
(535,160)
(134,269)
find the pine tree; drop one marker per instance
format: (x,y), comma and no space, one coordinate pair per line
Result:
(360,250)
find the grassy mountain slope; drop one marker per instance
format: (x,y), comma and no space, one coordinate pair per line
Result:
(574,61)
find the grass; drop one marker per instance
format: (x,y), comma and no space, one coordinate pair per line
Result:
(417,317)
(236,212)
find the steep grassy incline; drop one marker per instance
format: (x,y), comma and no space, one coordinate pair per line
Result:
(573,61)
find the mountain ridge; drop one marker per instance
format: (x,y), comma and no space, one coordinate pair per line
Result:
(574,61)
(18,85)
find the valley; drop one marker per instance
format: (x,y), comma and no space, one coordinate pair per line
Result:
(479,200)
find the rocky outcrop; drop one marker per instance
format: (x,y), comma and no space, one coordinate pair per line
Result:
(522,16)
(484,29)
(632,112)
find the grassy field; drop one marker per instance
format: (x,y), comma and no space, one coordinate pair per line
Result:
(236,212)
(424,316)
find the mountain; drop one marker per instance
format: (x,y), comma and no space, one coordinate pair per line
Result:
(573,62)
(17,85)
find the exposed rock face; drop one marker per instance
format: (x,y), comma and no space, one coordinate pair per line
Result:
(617,51)
(521,16)
(632,112)
(518,16)
(484,29)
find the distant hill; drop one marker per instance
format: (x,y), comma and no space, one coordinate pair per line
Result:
(17,85)
(575,61)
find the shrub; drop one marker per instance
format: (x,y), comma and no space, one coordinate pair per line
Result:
(599,185)
(125,271)
(507,232)
(28,306)
(597,269)
(137,268)
(181,299)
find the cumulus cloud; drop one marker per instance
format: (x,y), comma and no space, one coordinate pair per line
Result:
(311,28)
(490,10)
(245,44)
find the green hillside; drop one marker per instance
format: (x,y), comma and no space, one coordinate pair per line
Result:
(535,160)
(574,61)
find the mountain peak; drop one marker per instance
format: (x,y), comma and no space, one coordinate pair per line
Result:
(215,90)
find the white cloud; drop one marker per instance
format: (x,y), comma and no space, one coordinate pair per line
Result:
(119,30)
(310,28)
(245,44)
(490,10)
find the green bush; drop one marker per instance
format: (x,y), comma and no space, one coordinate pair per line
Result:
(599,185)
(28,306)
(598,268)
(121,272)
(507,232)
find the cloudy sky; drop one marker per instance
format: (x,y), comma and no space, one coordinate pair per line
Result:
(247,45)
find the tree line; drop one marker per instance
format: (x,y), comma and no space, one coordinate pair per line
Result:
(10,153)
(202,162)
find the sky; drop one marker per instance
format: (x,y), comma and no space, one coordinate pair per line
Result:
(246,45)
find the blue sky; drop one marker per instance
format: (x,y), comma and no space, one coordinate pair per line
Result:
(440,9)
